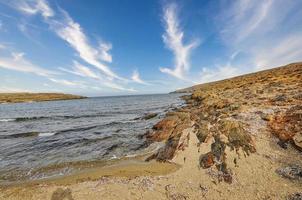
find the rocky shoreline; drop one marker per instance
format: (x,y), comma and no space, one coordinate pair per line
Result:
(233,113)
(238,138)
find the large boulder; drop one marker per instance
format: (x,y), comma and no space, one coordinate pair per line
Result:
(163,129)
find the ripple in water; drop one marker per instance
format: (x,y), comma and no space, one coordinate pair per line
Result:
(51,135)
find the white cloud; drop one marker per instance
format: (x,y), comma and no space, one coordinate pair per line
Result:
(118,87)
(81,70)
(17,62)
(245,17)
(136,78)
(29,31)
(173,39)
(284,52)
(5,89)
(73,34)
(103,53)
(43,7)
(66,82)
(33,7)
(218,73)
(234,55)
(267,32)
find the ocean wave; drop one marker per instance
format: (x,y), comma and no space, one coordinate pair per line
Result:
(46,134)
(87,128)
(20,135)
(22,119)
(7,120)
(28,134)
(58,117)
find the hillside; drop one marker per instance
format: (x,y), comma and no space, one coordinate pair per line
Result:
(249,131)
(269,75)
(34,97)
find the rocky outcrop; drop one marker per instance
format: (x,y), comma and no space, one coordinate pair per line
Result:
(231,113)
(170,131)
(287,126)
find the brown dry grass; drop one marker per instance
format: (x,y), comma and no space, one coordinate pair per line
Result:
(29,97)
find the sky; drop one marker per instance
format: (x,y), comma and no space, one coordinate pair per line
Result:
(120,47)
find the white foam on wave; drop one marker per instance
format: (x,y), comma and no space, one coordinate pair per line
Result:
(131,155)
(114,157)
(7,120)
(47,134)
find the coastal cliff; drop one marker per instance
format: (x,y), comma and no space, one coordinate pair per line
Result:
(35,97)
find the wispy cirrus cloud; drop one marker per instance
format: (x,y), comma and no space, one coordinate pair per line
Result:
(31,7)
(72,33)
(16,61)
(67,82)
(173,39)
(136,78)
(266,33)
(283,52)
(1,25)
(242,19)
(81,70)
(218,73)
(4,89)
(257,29)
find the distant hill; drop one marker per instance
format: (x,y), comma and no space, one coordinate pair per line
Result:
(34,97)
(279,71)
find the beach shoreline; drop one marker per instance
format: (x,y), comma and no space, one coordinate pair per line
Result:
(235,139)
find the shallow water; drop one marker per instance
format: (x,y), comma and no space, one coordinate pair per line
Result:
(57,133)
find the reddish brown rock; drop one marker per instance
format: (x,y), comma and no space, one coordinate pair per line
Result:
(287,126)
(206,160)
(170,130)
(163,129)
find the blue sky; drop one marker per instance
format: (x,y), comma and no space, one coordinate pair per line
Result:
(116,47)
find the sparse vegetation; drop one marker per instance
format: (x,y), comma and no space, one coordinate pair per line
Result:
(230,114)
(33,97)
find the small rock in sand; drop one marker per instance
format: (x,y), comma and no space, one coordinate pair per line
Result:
(298,140)
(295,196)
(206,160)
(293,172)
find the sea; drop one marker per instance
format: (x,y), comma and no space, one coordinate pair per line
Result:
(42,139)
